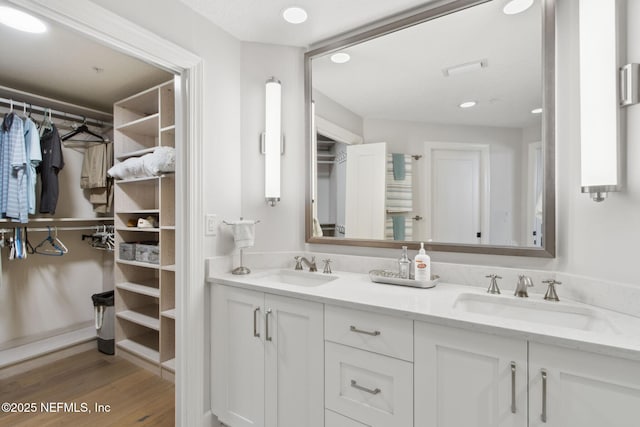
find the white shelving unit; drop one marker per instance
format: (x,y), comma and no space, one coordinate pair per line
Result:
(145,292)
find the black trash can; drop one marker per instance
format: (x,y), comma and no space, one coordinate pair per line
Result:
(104,312)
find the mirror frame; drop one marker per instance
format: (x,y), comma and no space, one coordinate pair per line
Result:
(418,16)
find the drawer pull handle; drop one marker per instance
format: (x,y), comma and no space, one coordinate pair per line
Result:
(354,384)
(543,416)
(255,322)
(360,331)
(513,387)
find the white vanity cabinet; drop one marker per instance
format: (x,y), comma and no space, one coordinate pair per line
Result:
(471,379)
(582,389)
(267,359)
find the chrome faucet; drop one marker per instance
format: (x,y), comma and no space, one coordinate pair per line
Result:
(524,282)
(493,286)
(311,264)
(551,294)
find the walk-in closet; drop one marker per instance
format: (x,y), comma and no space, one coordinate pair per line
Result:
(95,178)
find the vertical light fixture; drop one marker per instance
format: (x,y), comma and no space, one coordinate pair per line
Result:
(600,112)
(272,140)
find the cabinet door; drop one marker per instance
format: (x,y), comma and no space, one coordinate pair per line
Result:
(468,379)
(294,362)
(582,389)
(237,353)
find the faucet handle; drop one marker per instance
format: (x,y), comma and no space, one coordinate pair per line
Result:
(493,286)
(551,294)
(298,262)
(327,267)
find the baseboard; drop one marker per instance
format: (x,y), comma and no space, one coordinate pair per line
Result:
(38,361)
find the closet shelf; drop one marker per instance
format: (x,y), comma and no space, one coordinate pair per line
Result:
(169,267)
(139,264)
(139,212)
(168,227)
(137,153)
(169,129)
(138,180)
(169,313)
(146,126)
(145,316)
(141,346)
(97,219)
(140,288)
(170,365)
(146,230)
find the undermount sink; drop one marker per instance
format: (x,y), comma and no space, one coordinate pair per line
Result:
(297,277)
(534,311)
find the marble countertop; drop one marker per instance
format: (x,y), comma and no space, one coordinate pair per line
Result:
(620,335)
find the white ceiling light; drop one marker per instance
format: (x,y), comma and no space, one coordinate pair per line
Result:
(536,111)
(465,68)
(340,57)
(468,104)
(20,20)
(294,15)
(517,6)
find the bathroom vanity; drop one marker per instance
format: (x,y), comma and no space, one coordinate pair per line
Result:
(292,348)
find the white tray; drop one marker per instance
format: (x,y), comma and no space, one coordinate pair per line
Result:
(392,278)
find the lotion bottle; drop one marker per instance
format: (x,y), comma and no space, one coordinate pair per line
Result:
(422,265)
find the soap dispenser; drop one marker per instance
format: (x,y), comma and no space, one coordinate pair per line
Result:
(404,264)
(422,265)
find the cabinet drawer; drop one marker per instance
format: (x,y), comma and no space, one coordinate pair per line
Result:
(370,388)
(379,333)
(332,419)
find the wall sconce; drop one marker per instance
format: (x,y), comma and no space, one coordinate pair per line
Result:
(600,112)
(272,141)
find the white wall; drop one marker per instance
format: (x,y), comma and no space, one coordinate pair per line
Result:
(280,227)
(336,113)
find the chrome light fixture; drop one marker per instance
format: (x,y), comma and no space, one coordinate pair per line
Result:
(600,112)
(272,140)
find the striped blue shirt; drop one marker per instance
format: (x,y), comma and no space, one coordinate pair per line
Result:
(13,164)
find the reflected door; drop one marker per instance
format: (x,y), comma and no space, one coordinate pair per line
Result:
(365,191)
(455,197)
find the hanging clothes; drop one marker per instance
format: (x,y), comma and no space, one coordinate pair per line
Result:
(52,163)
(95,164)
(13,164)
(34,157)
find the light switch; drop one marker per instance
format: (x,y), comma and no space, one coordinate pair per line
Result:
(211,224)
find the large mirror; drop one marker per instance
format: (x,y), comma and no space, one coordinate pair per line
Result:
(436,127)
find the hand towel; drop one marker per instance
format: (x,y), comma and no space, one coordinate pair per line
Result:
(398,227)
(243,233)
(398,166)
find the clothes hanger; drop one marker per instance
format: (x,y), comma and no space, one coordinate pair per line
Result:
(49,246)
(80,130)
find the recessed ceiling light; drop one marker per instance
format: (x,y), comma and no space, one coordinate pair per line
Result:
(536,111)
(468,104)
(20,20)
(294,15)
(517,6)
(340,57)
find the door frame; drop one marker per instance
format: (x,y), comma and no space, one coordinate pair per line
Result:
(532,173)
(485,191)
(117,32)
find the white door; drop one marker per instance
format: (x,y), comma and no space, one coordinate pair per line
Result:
(294,362)
(237,353)
(455,196)
(469,379)
(365,191)
(582,389)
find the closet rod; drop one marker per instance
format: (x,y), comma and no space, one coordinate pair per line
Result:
(57,113)
(43,229)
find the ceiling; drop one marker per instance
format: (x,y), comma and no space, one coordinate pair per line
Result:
(61,64)
(400,76)
(261,20)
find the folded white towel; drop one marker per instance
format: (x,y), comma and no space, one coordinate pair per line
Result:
(243,233)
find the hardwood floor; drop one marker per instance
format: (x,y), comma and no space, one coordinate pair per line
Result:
(135,397)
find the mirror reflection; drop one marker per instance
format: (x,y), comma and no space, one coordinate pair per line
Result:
(433,133)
